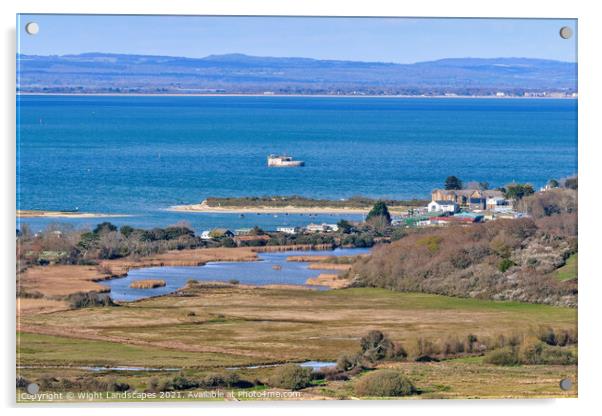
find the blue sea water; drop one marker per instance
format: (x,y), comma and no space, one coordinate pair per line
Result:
(139,155)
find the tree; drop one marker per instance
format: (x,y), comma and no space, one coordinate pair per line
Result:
(453,183)
(517,191)
(553,183)
(345,226)
(104,227)
(379,212)
(256,231)
(126,230)
(376,346)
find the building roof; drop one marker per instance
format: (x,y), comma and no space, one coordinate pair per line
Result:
(220,231)
(488,193)
(444,202)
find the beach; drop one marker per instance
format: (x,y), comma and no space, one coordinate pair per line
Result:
(202,207)
(30,213)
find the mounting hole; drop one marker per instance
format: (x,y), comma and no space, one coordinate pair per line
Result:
(566,32)
(33,388)
(566,384)
(32,28)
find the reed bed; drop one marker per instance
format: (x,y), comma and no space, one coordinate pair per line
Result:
(147,284)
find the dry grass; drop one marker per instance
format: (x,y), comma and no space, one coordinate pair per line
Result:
(224,325)
(283,324)
(194,257)
(333,281)
(329,266)
(296,247)
(27,306)
(62,280)
(147,284)
(309,259)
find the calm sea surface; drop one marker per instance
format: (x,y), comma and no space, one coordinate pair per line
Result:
(140,155)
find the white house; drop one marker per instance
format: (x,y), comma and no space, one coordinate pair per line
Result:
(205,235)
(498,204)
(288,230)
(442,206)
(316,228)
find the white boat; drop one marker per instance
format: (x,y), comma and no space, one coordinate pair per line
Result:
(281,161)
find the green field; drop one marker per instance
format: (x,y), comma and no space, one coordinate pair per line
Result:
(569,270)
(208,329)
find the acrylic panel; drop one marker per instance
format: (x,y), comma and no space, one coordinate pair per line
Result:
(295,208)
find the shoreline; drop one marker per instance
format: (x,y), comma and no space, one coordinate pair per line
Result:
(102,94)
(201,208)
(32,213)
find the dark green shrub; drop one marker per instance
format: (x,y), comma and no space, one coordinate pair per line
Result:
(291,377)
(379,212)
(22,382)
(504,265)
(227,242)
(384,383)
(548,336)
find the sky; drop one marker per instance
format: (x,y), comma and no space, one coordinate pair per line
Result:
(400,40)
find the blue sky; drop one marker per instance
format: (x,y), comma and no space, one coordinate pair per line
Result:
(365,39)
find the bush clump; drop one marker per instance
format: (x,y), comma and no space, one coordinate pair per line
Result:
(385,383)
(537,352)
(503,356)
(22,382)
(378,346)
(89,300)
(81,384)
(213,380)
(291,376)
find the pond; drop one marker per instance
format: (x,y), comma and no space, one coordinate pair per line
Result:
(272,268)
(314,365)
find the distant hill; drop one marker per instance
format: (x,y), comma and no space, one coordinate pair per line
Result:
(238,73)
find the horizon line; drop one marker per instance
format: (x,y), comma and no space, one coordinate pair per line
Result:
(292,57)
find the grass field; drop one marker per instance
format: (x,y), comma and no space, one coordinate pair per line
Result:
(293,325)
(208,328)
(569,270)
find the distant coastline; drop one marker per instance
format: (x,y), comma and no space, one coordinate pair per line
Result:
(101,94)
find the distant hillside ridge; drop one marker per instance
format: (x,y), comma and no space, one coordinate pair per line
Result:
(244,74)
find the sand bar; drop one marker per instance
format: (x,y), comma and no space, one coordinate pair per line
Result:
(31,213)
(204,208)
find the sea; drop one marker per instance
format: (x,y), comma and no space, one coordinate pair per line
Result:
(139,155)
